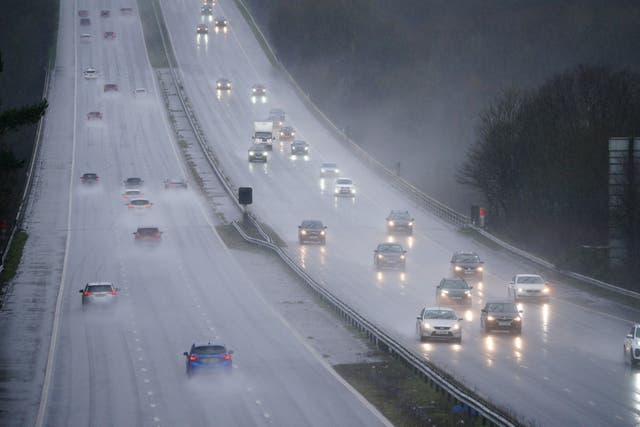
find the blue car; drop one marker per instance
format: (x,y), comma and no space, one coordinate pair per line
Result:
(208,357)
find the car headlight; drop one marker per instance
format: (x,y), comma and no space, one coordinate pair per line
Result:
(337,190)
(457,268)
(303,232)
(264,153)
(444,292)
(480,269)
(322,233)
(546,290)
(401,256)
(520,290)
(426,325)
(353,190)
(380,256)
(517,319)
(491,318)
(306,148)
(391,223)
(410,223)
(251,153)
(337,171)
(456,327)
(467,293)
(322,170)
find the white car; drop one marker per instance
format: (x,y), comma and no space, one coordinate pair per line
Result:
(344,187)
(329,169)
(86,37)
(90,73)
(528,286)
(632,345)
(439,323)
(139,204)
(132,193)
(139,91)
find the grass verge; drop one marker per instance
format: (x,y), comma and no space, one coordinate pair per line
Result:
(13,258)
(403,397)
(153,30)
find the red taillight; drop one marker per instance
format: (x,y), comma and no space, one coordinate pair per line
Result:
(112,292)
(227,356)
(157,234)
(147,206)
(130,206)
(193,358)
(86,293)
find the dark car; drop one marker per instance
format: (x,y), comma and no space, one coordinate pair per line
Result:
(312,231)
(83,13)
(277,116)
(85,22)
(223,84)
(133,182)
(98,293)
(147,234)
(94,115)
(299,148)
(220,24)
(105,13)
(109,35)
(126,10)
(175,183)
(259,152)
(209,357)
(501,316)
(111,87)
(453,291)
(399,222)
(466,264)
(258,90)
(89,178)
(287,133)
(202,29)
(206,10)
(389,255)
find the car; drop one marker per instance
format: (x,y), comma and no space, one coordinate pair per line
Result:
(202,29)
(223,84)
(438,323)
(94,115)
(501,315)
(147,234)
(89,178)
(344,187)
(312,230)
(85,22)
(286,133)
(111,87)
(209,2)
(389,255)
(299,148)
(126,10)
(206,10)
(105,13)
(208,357)
(528,286)
(329,169)
(467,264)
(631,345)
(83,13)
(258,93)
(139,204)
(220,24)
(175,183)
(109,35)
(85,37)
(453,291)
(399,222)
(90,73)
(133,182)
(132,193)
(98,294)
(139,92)
(277,116)
(259,152)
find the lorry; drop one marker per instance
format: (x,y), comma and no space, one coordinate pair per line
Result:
(263,133)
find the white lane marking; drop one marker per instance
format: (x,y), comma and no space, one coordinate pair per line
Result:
(567,390)
(48,373)
(143,369)
(592,403)
(146,380)
(153,405)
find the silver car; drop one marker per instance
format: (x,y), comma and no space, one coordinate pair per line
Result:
(98,293)
(528,286)
(439,323)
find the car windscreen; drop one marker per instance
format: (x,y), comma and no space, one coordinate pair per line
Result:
(139,202)
(502,308)
(329,165)
(637,332)
(400,215)
(264,134)
(390,248)
(533,280)
(343,182)
(311,224)
(209,350)
(99,288)
(466,258)
(439,314)
(90,176)
(455,284)
(148,231)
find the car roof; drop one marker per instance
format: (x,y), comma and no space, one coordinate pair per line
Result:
(440,308)
(528,275)
(99,283)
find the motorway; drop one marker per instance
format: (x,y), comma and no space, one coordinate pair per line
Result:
(567,366)
(123,364)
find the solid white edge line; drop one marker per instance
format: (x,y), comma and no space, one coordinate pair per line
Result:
(44,396)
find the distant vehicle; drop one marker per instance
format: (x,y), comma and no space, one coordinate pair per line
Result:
(85,22)
(111,87)
(528,286)
(209,2)
(501,316)
(328,169)
(220,24)
(389,255)
(132,193)
(399,222)
(105,13)
(631,345)
(133,182)
(109,35)
(208,357)
(126,10)
(90,73)
(202,29)
(94,115)
(299,148)
(465,264)
(438,323)
(139,204)
(259,152)
(89,178)
(277,116)
(98,294)
(171,183)
(258,93)
(344,187)
(206,10)
(85,37)
(453,291)
(139,92)
(83,13)
(147,234)
(223,84)
(263,132)
(312,231)
(287,133)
